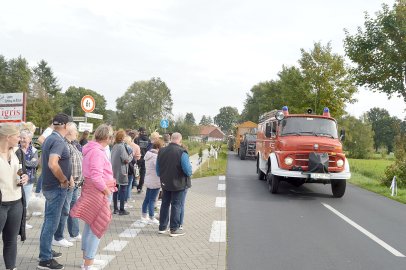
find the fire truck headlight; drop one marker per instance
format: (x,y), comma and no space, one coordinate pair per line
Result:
(340,163)
(288,161)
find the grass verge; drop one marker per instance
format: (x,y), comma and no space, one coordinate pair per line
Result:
(373,185)
(212,167)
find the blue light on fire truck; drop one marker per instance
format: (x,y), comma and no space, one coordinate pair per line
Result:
(285,110)
(326,112)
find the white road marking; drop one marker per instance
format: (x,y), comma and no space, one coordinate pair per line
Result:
(221,187)
(220,201)
(116,245)
(106,258)
(222,177)
(364,231)
(218,231)
(130,233)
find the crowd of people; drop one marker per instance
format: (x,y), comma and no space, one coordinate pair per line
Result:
(90,179)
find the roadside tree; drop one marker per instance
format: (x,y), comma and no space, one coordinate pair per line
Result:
(144,103)
(328,78)
(206,120)
(190,119)
(359,141)
(379,50)
(226,118)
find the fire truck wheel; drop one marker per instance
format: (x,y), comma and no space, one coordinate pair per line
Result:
(273,183)
(338,187)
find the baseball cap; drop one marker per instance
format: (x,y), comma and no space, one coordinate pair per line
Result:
(61,119)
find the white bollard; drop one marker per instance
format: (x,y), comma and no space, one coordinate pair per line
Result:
(394,187)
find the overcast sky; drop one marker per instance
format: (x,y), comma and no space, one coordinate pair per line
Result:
(210,53)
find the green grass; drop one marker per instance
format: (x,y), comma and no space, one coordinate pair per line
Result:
(193,147)
(372,168)
(374,186)
(366,174)
(212,167)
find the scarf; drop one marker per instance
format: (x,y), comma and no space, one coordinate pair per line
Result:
(28,157)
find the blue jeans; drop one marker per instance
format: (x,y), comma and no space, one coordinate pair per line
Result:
(54,201)
(39,184)
(149,201)
(90,243)
(64,216)
(120,193)
(73,223)
(28,191)
(182,212)
(174,200)
(129,187)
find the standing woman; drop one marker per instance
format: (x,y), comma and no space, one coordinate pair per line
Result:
(83,139)
(153,184)
(31,164)
(120,158)
(12,200)
(93,206)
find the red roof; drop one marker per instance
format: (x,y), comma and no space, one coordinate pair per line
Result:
(206,130)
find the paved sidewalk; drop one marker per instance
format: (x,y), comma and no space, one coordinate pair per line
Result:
(130,245)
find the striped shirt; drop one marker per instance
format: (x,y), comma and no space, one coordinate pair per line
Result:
(76,159)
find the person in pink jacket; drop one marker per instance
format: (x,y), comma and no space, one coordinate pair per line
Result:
(152,182)
(93,205)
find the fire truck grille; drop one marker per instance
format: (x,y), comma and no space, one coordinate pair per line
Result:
(303,160)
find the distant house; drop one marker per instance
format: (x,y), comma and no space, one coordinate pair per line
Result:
(208,134)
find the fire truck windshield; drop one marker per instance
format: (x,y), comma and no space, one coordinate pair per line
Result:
(308,126)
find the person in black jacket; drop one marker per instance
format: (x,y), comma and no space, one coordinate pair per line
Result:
(145,145)
(174,169)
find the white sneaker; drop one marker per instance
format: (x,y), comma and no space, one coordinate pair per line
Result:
(181,227)
(96,263)
(75,239)
(99,262)
(144,220)
(90,267)
(154,221)
(62,243)
(28,226)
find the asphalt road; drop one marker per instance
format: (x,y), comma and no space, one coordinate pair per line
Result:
(294,230)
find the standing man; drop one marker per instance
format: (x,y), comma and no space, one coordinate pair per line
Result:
(72,193)
(56,171)
(145,144)
(173,167)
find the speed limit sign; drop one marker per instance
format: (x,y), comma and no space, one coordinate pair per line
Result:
(88,104)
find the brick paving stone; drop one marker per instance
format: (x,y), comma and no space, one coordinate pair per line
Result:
(148,250)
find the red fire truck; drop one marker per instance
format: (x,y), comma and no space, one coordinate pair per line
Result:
(301,148)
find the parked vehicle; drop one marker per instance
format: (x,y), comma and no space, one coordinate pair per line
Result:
(301,148)
(247,146)
(240,130)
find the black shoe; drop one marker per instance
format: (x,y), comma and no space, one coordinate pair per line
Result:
(123,213)
(50,264)
(56,255)
(115,211)
(177,233)
(139,191)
